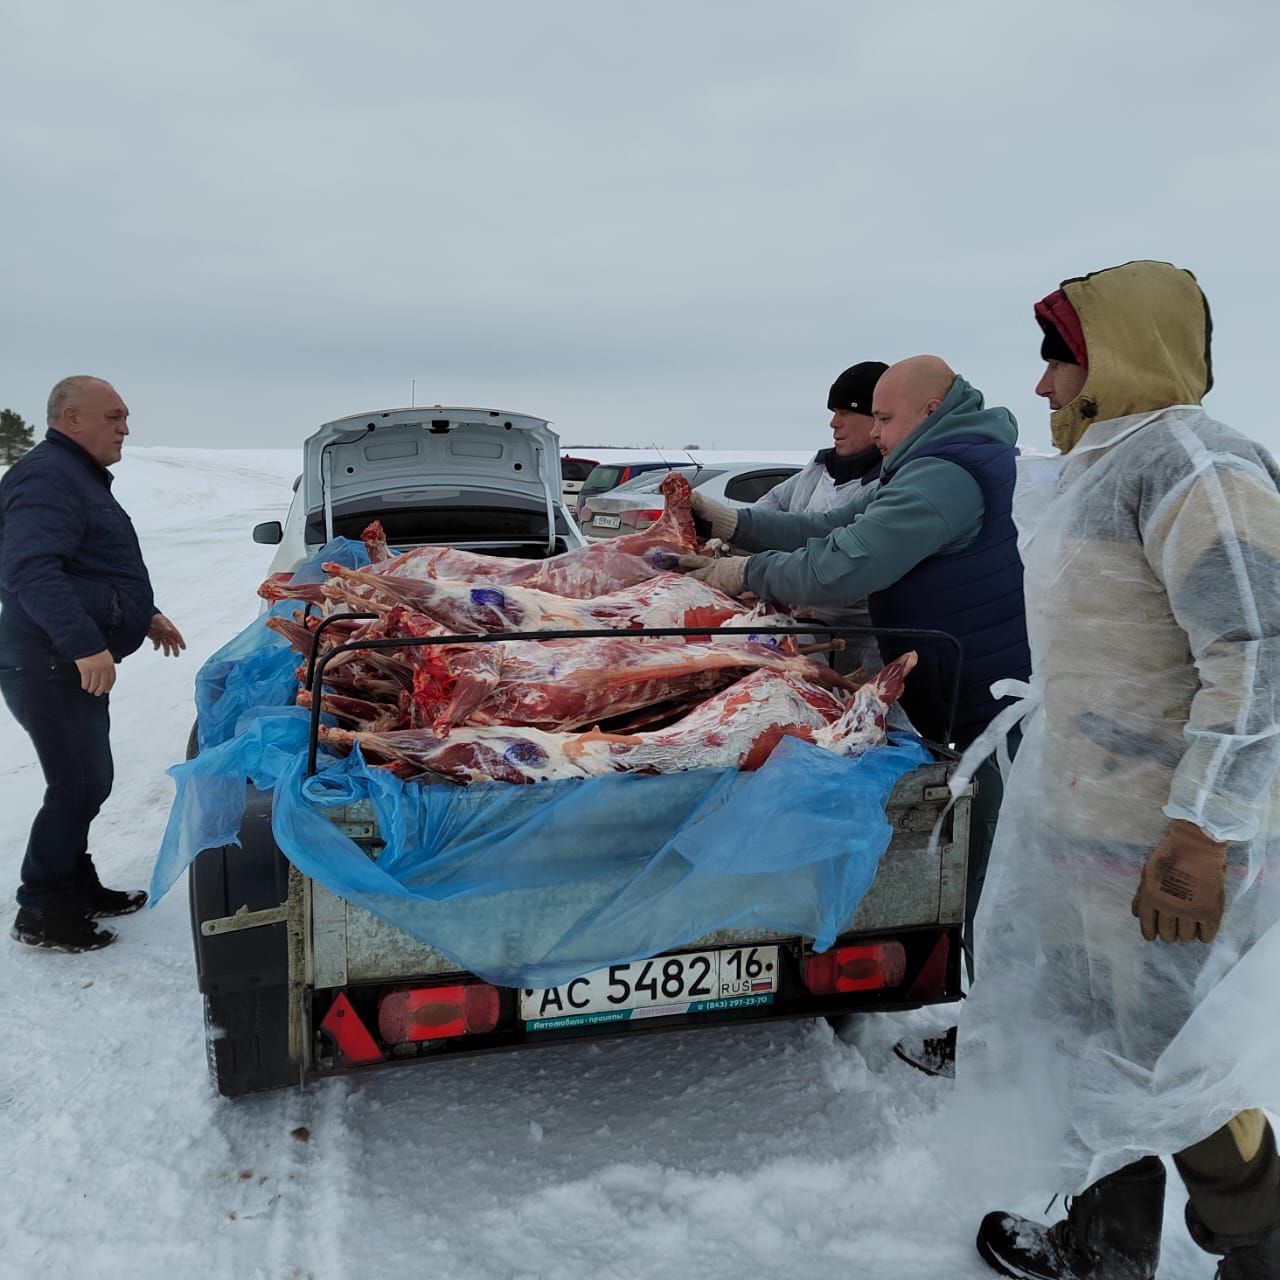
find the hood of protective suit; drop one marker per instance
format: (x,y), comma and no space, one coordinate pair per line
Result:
(1147,330)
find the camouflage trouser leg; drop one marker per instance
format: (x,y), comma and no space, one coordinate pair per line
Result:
(1233,1177)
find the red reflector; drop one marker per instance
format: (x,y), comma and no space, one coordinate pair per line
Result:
(436,1013)
(872,966)
(932,978)
(355,1044)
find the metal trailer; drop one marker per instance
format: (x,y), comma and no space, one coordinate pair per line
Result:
(294,977)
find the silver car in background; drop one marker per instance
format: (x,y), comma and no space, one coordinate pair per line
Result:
(636,504)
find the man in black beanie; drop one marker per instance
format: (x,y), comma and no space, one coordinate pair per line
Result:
(832,477)
(836,474)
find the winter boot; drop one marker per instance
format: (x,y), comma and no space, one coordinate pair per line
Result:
(1111,1232)
(934,1055)
(101,903)
(105,903)
(59,931)
(1257,1261)
(1243,1257)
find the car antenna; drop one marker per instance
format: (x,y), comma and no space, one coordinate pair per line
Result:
(697,466)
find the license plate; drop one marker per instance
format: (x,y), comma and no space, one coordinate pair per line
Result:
(607,522)
(691,982)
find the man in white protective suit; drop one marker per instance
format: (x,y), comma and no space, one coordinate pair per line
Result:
(1127,1007)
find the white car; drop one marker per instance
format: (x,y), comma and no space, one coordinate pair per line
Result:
(638,503)
(481,479)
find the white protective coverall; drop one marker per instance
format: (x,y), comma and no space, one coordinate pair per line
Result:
(1152,556)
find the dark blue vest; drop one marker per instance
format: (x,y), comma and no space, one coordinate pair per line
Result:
(974,595)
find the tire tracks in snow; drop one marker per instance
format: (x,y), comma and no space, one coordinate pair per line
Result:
(308,1239)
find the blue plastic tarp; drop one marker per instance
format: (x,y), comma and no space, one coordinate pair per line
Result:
(531,885)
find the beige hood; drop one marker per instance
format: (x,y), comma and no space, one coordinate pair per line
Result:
(1146,329)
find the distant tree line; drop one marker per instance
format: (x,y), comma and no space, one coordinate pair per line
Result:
(15,436)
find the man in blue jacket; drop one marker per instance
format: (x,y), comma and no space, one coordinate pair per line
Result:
(933,547)
(75,599)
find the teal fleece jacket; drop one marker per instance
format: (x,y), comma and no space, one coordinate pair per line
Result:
(922,507)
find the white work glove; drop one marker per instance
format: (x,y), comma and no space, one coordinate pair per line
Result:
(722,518)
(726,573)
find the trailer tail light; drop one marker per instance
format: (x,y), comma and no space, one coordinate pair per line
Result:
(873,966)
(437,1013)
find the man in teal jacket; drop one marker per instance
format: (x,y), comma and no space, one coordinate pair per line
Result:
(932,548)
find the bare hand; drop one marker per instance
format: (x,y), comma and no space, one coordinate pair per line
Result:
(164,635)
(97,673)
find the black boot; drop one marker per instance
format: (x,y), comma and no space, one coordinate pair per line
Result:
(1243,1257)
(1111,1232)
(59,931)
(101,903)
(105,903)
(934,1055)
(1259,1260)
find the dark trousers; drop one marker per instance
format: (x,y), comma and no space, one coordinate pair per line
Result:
(70,731)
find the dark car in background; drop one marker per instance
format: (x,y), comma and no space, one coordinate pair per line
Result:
(573,472)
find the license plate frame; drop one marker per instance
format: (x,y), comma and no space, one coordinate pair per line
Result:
(685,982)
(601,521)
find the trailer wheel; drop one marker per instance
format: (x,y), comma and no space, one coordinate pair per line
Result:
(247,1041)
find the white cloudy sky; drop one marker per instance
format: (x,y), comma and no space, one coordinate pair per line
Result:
(651,223)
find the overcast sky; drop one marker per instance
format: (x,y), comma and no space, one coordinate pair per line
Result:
(652,223)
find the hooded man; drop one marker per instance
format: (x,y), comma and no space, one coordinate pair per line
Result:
(1131,942)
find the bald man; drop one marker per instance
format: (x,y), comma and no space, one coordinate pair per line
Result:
(932,547)
(75,599)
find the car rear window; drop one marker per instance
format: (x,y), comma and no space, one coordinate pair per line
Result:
(465,516)
(754,485)
(600,479)
(575,468)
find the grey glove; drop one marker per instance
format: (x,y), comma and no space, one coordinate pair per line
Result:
(727,573)
(723,519)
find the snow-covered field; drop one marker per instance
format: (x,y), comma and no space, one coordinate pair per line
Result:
(785,1151)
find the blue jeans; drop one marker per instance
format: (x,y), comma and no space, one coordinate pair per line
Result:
(70,731)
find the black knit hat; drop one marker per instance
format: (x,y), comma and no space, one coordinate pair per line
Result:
(851,391)
(1054,346)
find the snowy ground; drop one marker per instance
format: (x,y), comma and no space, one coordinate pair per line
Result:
(783,1151)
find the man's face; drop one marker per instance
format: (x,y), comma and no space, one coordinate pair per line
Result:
(98,421)
(1061,383)
(851,431)
(896,413)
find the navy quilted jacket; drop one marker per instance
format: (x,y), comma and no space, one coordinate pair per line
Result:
(71,570)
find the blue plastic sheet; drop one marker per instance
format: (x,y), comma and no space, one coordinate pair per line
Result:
(531,885)
(256,669)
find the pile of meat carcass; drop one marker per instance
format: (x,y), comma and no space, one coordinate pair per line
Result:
(519,710)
